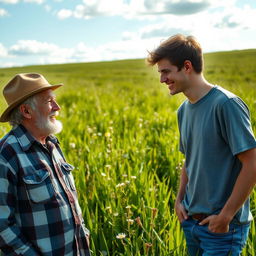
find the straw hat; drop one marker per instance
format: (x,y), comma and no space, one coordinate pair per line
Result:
(20,88)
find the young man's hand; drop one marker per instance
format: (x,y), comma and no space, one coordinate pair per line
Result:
(180,211)
(216,224)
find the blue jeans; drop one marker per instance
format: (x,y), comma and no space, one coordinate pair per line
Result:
(202,242)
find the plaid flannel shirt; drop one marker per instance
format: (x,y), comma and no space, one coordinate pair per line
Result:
(39,210)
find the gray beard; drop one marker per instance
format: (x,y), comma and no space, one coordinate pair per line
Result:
(47,127)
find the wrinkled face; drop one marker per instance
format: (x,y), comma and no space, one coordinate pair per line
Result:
(174,79)
(45,113)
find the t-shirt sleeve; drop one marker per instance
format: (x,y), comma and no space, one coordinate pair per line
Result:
(236,126)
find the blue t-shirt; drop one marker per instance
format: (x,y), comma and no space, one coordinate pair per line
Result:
(212,132)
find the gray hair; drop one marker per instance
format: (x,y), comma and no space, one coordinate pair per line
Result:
(16,117)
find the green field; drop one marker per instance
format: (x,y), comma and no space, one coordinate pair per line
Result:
(120,132)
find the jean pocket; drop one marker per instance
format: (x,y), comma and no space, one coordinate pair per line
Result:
(230,232)
(39,186)
(183,222)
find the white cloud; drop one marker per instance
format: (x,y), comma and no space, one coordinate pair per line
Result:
(163,30)
(17,1)
(9,1)
(34,1)
(26,47)
(94,8)
(41,52)
(235,17)
(3,51)
(140,8)
(3,12)
(122,50)
(219,30)
(82,53)
(64,14)
(202,23)
(216,29)
(167,26)
(47,53)
(177,7)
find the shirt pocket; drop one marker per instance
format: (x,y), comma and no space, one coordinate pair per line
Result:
(39,186)
(68,177)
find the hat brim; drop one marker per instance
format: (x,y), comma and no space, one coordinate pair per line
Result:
(6,114)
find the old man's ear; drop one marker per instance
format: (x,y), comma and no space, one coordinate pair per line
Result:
(25,110)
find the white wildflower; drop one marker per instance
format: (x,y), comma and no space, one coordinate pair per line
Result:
(130,221)
(121,236)
(72,145)
(120,185)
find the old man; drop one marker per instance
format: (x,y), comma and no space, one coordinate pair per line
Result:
(39,210)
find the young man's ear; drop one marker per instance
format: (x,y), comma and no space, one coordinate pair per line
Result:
(25,110)
(188,65)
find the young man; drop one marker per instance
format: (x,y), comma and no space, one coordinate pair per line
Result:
(217,140)
(39,211)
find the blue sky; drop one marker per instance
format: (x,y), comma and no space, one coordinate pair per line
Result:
(65,31)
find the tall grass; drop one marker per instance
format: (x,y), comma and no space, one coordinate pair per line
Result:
(120,132)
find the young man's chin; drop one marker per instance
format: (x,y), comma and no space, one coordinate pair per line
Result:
(173,93)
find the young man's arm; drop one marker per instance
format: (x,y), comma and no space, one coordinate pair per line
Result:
(241,191)
(179,208)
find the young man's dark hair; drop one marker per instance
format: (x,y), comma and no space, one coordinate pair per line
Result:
(177,49)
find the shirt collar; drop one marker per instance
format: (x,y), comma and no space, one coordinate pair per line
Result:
(26,140)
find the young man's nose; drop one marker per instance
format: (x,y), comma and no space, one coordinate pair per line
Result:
(162,79)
